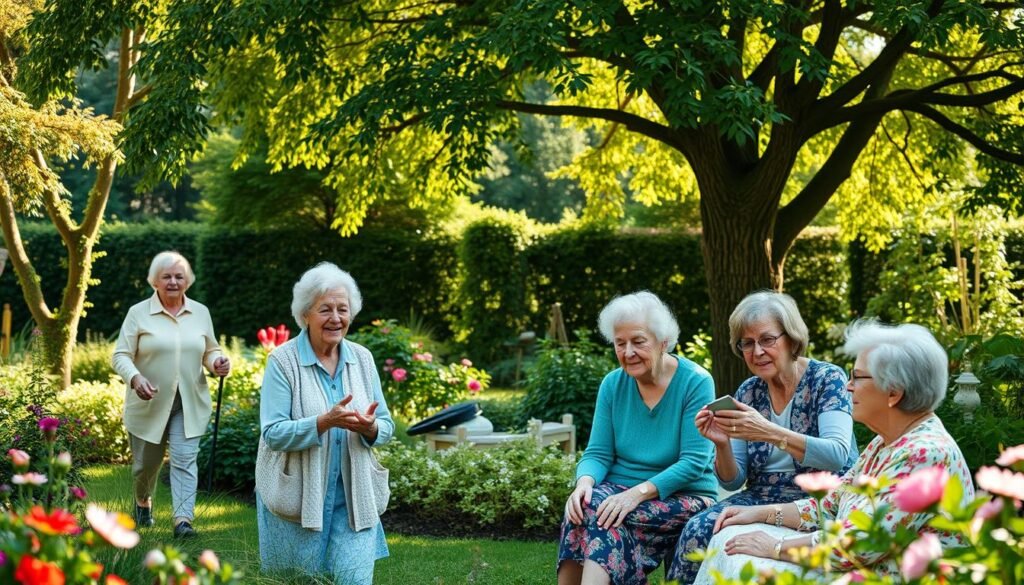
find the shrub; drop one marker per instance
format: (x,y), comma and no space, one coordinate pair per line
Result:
(513,485)
(415,382)
(237,443)
(27,395)
(504,414)
(97,407)
(91,360)
(566,380)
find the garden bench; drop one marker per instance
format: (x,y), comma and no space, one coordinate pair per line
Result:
(544,433)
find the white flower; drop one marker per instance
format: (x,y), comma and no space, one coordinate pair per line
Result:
(154,558)
(115,528)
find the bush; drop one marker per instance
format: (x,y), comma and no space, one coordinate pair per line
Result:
(26,396)
(566,380)
(97,407)
(91,361)
(504,414)
(237,443)
(513,485)
(415,382)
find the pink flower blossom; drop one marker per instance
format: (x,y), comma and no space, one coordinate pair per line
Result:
(154,558)
(919,556)
(30,478)
(987,511)
(1001,482)
(473,385)
(1010,456)
(49,426)
(389,361)
(398,374)
(63,461)
(466,362)
(114,527)
(921,490)
(19,459)
(864,480)
(208,559)
(818,483)
(77,492)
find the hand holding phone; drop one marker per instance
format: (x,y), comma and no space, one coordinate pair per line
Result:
(724,403)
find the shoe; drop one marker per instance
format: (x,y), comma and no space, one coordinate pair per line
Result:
(184,530)
(143,517)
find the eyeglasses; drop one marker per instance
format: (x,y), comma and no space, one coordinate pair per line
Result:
(765,341)
(854,377)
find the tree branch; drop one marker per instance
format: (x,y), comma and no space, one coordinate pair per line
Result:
(967,135)
(632,121)
(31,288)
(880,68)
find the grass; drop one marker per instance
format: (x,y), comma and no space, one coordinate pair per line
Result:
(228,527)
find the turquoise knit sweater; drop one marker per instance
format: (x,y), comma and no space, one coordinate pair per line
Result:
(631,443)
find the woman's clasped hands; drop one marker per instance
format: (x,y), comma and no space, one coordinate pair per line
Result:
(342,417)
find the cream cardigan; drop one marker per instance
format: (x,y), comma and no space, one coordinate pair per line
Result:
(366,482)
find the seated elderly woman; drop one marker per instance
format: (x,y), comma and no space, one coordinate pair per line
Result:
(646,469)
(792,416)
(898,380)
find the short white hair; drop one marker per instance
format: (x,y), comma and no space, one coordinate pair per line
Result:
(769,304)
(902,357)
(642,307)
(318,281)
(165,260)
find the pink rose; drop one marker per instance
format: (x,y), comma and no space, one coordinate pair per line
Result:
(1011,456)
(919,556)
(818,483)
(921,490)
(19,459)
(467,363)
(1001,482)
(398,374)
(473,385)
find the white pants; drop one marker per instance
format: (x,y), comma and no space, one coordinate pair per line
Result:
(148,457)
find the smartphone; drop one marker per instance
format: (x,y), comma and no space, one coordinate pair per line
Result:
(724,403)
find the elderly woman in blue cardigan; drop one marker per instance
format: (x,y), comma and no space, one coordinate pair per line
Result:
(791,417)
(646,469)
(321,405)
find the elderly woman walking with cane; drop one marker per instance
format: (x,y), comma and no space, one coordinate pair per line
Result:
(163,345)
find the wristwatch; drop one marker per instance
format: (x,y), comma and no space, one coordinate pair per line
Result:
(783,444)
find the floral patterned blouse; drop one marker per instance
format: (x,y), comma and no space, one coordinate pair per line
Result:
(926,445)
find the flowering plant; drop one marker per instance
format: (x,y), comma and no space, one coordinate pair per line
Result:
(43,540)
(990,527)
(414,380)
(271,337)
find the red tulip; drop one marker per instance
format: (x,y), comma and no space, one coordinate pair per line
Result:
(282,334)
(261,335)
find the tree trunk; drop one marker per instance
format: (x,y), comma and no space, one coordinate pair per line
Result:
(737,250)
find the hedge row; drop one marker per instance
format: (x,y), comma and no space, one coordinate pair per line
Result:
(480,291)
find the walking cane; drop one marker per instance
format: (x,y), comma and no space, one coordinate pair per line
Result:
(213,446)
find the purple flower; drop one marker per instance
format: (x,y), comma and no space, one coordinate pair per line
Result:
(49,426)
(3,558)
(77,492)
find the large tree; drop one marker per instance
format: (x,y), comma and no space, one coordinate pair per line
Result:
(760,106)
(43,45)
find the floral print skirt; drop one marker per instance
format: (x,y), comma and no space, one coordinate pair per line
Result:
(634,549)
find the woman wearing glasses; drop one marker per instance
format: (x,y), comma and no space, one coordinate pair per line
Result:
(899,378)
(792,416)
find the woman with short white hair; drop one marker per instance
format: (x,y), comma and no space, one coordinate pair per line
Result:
(646,469)
(161,349)
(899,378)
(319,489)
(790,417)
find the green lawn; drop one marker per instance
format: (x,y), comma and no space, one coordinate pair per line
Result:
(229,527)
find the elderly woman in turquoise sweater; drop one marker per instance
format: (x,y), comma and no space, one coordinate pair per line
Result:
(646,470)
(319,488)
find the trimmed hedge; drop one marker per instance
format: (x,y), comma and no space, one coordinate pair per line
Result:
(481,291)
